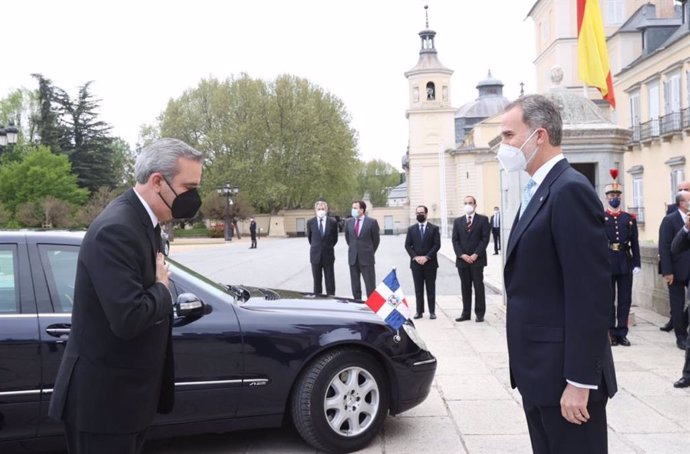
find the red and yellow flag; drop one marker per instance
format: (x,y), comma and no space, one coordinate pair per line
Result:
(593,58)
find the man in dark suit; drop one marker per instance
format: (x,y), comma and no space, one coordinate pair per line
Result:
(495,223)
(675,268)
(362,237)
(422,244)
(558,287)
(252,232)
(681,244)
(117,369)
(322,233)
(470,239)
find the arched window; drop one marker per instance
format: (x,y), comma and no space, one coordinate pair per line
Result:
(430,91)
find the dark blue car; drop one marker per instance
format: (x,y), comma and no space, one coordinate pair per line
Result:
(245,357)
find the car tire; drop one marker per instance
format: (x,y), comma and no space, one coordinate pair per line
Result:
(340,401)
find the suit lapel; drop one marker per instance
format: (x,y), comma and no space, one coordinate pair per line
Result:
(522,222)
(143,217)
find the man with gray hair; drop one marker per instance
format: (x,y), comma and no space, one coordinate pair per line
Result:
(117,369)
(558,286)
(322,233)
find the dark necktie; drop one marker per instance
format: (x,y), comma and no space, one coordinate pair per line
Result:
(421,231)
(157,237)
(469,222)
(357,227)
(321,227)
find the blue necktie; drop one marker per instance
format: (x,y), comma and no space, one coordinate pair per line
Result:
(527,195)
(321,227)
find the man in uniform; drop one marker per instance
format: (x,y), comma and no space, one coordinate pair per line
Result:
(624,253)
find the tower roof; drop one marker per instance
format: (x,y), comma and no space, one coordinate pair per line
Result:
(428,58)
(490,101)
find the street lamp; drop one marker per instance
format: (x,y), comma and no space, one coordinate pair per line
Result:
(8,136)
(228,190)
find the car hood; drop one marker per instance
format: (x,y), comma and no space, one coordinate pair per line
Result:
(267,298)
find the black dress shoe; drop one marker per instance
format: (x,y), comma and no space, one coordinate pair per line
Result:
(417,316)
(667,327)
(682,383)
(432,316)
(681,344)
(624,341)
(479,319)
(462,318)
(495,253)
(614,341)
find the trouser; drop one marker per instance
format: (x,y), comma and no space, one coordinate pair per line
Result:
(679,317)
(472,276)
(254,240)
(622,290)
(496,232)
(424,275)
(79,442)
(368,273)
(326,270)
(551,433)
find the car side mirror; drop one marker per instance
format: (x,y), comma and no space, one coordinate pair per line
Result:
(189,305)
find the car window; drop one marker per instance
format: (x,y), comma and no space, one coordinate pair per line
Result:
(9,287)
(60,267)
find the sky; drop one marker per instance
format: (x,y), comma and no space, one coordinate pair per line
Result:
(141,53)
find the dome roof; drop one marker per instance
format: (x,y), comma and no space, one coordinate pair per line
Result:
(575,109)
(490,101)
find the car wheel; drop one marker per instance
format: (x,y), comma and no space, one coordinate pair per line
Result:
(340,401)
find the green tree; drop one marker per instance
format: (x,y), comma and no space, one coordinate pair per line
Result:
(376,178)
(284,143)
(38,175)
(123,163)
(19,107)
(97,202)
(46,120)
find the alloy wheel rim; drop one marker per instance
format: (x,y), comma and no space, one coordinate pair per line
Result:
(352,401)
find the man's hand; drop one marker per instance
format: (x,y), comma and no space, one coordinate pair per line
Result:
(466,258)
(421,259)
(474,257)
(162,270)
(574,404)
(668,278)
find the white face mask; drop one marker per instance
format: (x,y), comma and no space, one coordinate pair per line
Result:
(321,213)
(512,158)
(469,209)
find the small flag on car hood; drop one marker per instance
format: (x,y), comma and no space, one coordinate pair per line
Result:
(388,301)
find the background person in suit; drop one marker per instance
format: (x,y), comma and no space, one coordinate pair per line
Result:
(681,244)
(558,286)
(322,233)
(422,244)
(117,369)
(252,232)
(362,237)
(624,253)
(495,223)
(682,186)
(675,268)
(470,239)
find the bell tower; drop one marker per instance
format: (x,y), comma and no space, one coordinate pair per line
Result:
(431,120)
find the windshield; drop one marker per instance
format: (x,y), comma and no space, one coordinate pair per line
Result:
(189,281)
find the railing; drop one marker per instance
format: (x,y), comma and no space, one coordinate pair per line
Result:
(649,129)
(670,123)
(685,118)
(635,138)
(638,212)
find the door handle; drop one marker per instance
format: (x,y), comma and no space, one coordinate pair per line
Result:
(59,329)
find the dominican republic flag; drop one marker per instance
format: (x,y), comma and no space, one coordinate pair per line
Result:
(389,302)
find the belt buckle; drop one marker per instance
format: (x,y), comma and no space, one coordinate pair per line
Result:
(615,247)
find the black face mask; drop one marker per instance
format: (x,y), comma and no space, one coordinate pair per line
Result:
(185,205)
(421,218)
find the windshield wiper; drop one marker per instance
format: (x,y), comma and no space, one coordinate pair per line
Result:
(241,293)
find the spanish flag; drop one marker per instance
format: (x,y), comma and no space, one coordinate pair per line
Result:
(594,66)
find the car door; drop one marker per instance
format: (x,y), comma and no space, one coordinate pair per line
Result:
(54,267)
(20,368)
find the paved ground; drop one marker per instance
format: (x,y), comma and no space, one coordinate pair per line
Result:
(471,408)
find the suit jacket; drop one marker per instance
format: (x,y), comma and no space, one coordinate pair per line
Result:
(681,243)
(677,264)
(321,250)
(471,241)
(500,220)
(363,247)
(117,369)
(558,286)
(427,246)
